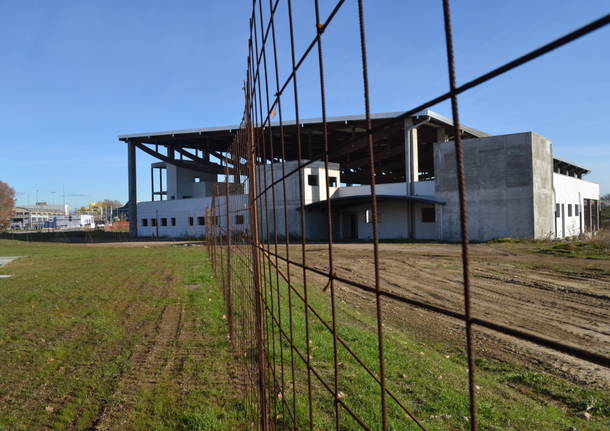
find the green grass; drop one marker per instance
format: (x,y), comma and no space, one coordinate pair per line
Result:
(72,318)
(579,249)
(431,382)
(597,248)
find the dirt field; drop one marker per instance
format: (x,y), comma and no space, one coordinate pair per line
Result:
(566,299)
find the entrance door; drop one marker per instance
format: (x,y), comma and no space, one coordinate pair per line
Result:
(350,225)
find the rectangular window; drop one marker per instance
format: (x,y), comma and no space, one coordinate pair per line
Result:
(153,221)
(239,219)
(144,222)
(201,221)
(191,221)
(576,210)
(173,221)
(368,216)
(569,210)
(557,210)
(428,215)
(312,180)
(164,221)
(332,181)
(197,179)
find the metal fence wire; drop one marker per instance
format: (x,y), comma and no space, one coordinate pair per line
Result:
(304,361)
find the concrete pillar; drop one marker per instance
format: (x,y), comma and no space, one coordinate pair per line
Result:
(132,209)
(411,156)
(411,171)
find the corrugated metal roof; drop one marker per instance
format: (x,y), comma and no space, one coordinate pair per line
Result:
(345,118)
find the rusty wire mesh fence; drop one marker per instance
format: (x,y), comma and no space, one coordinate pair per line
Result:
(307,359)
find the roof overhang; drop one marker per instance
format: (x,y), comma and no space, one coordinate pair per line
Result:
(346,119)
(564,165)
(348,201)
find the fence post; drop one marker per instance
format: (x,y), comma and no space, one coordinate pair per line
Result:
(258,299)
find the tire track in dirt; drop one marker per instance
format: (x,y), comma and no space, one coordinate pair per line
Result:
(573,307)
(148,365)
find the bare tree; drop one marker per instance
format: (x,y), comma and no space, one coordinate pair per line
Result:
(7,205)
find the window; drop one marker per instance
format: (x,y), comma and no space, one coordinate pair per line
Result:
(312,180)
(201,221)
(144,222)
(557,210)
(576,210)
(239,219)
(153,221)
(428,215)
(332,181)
(164,221)
(191,221)
(173,221)
(569,210)
(368,216)
(197,179)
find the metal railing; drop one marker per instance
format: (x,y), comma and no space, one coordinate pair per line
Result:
(281,310)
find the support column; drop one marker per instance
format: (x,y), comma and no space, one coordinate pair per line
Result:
(132,209)
(411,171)
(152,183)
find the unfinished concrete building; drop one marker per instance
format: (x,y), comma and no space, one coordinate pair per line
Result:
(515,186)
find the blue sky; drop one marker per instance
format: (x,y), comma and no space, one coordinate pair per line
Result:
(76,74)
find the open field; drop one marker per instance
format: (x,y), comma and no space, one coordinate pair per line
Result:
(132,336)
(113,338)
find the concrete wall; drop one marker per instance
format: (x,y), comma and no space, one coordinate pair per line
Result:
(542,183)
(393,224)
(422,188)
(508,183)
(181,182)
(571,191)
(181,210)
(268,174)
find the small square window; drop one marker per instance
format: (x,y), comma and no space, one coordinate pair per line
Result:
(428,215)
(569,210)
(144,222)
(173,221)
(332,181)
(197,179)
(201,221)
(312,180)
(163,221)
(153,221)
(239,219)
(191,221)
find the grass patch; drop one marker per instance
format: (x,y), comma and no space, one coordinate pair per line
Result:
(592,249)
(72,319)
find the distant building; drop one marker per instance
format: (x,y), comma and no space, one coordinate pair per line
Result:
(36,216)
(72,221)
